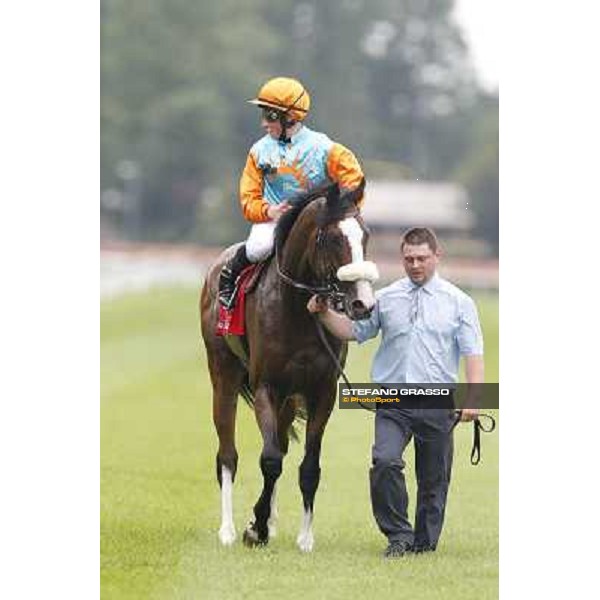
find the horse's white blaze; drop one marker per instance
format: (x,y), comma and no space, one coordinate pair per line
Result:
(352,230)
(227,530)
(272,522)
(354,233)
(306,539)
(365,294)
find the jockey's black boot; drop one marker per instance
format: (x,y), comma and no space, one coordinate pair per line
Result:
(229,274)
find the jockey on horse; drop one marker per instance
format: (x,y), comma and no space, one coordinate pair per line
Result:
(289,160)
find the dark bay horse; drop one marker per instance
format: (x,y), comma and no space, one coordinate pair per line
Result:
(320,246)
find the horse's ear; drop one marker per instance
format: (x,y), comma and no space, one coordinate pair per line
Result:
(333,195)
(362,184)
(356,194)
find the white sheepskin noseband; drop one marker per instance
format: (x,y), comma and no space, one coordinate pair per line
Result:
(363,270)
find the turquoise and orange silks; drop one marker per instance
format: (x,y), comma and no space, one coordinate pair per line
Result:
(276,172)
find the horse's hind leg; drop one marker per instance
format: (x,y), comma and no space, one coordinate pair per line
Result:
(271,460)
(227,375)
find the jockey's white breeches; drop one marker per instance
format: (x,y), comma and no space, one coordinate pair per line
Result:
(260,241)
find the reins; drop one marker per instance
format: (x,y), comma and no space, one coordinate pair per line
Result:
(330,290)
(311,289)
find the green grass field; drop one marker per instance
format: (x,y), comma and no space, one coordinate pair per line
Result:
(160,506)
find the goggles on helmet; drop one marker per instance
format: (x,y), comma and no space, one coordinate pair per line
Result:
(271,115)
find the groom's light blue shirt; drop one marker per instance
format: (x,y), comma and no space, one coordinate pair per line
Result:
(424,332)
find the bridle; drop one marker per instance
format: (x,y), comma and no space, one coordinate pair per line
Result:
(330,289)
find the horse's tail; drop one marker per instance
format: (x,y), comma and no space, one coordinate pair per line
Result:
(300,411)
(246,392)
(301,417)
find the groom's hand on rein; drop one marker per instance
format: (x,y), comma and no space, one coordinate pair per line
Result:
(317,304)
(469,414)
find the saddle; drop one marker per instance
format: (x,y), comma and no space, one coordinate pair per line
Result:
(231,322)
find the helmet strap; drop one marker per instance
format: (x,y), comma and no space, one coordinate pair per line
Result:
(285,123)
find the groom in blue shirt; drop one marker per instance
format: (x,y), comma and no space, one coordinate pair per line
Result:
(426,325)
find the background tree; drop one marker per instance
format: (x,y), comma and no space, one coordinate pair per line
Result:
(390,79)
(479,170)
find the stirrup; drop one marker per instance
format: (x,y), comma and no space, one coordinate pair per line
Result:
(226,298)
(227,287)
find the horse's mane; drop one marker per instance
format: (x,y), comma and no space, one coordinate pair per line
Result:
(337,207)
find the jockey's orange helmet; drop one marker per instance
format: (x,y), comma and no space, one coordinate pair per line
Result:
(286,95)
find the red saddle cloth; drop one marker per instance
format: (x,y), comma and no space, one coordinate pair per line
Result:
(231,321)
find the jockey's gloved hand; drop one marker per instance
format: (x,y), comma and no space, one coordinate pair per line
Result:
(275,211)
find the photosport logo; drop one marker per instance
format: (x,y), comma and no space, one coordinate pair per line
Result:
(402,395)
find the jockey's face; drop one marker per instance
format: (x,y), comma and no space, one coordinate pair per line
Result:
(271,121)
(273,128)
(420,262)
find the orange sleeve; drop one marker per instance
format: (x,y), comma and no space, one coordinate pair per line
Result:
(344,169)
(254,207)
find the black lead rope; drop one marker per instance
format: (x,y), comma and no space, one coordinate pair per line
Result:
(477,429)
(334,358)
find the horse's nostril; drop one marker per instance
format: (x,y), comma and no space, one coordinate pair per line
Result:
(359,310)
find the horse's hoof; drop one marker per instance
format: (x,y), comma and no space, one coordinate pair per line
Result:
(227,535)
(272,523)
(306,541)
(251,538)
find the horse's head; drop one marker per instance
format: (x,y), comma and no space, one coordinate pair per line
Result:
(323,242)
(340,251)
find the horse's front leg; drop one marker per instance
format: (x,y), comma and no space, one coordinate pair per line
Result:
(271,460)
(310,469)
(285,420)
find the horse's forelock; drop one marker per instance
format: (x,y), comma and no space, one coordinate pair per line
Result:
(287,220)
(337,207)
